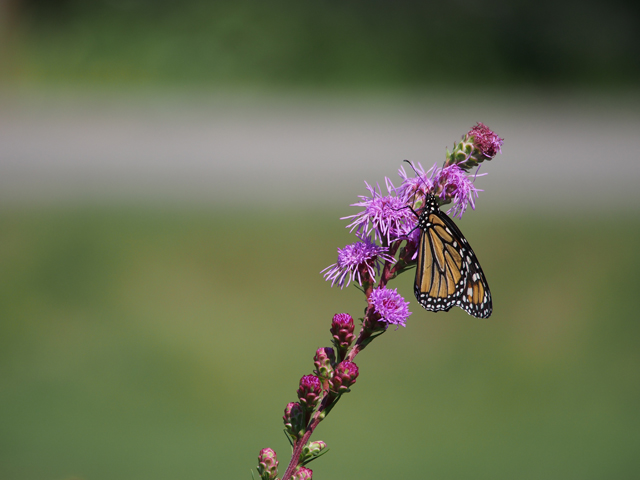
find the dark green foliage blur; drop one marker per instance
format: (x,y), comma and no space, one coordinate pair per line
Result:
(328,43)
(163,344)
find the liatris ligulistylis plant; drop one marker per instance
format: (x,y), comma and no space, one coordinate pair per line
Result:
(388,236)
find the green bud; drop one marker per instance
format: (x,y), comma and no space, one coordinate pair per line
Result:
(294,420)
(267,464)
(311,451)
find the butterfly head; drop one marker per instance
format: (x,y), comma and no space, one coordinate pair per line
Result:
(431,205)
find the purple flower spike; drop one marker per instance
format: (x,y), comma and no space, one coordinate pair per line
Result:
(354,261)
(344,376)
(302,473)
(384,215)
(455,185)
(309,391)
(390,305)
(485,140)
(267,464)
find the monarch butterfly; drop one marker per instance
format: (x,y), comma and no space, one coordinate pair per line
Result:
(448,273)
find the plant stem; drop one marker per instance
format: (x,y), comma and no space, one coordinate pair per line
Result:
(364,337)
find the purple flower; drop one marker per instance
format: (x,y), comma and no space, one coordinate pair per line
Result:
(390,305)
(486,140)
(384,215)
(455,185)
(354,261)
(414,189)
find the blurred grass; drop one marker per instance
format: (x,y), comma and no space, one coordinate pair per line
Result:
(162,344)
(330,44)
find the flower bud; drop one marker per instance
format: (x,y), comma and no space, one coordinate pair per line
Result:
(302,473)
(478,145)
(324,360)
(344,376)
(294,419)
(486,142)
(313,450)
(342,330)
(309,391)
(267,464)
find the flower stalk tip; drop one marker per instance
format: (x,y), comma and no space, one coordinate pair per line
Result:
(477,145)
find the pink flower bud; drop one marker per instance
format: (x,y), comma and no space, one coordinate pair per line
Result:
(477,145)
(342,330)
(324,360)
(486,141)
(267,464)
(303,473)
(294,419)
(309,391)
(344,376)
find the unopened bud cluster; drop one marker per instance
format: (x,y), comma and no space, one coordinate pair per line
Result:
(267,464)
(330,376)
(342,333)
(294,420)
(312,450)
(477,145)
(302,473)
(324,360)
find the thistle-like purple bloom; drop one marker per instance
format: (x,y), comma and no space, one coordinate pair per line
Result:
(384,215)
(390,305)
(456,185)
(486,140)
(354,260)
(414,189)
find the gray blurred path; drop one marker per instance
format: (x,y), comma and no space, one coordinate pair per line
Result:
(562,153)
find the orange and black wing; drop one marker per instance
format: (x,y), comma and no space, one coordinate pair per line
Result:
(448,273)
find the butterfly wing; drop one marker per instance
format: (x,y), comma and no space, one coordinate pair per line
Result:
(448,273)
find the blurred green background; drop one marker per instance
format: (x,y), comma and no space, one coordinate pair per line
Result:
(151,331)
(327,43)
